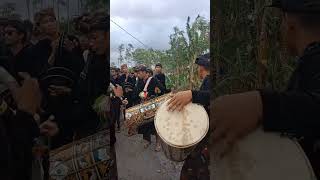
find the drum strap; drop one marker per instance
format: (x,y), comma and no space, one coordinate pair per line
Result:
(145,89)
(126,80)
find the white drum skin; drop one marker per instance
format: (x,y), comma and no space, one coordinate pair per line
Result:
(180,132)
(262,156)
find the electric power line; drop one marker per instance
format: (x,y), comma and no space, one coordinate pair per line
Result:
(128,33)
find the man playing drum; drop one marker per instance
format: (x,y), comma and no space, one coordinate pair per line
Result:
(196,164)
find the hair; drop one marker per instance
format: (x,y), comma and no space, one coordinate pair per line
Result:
(43,13)
(20,26)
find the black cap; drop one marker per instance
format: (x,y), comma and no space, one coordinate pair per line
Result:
(203,60)
(149,71)
(135,69)
(128,85)
(142,68)
(158,65)
(58,76)
(297,6)
(18,24)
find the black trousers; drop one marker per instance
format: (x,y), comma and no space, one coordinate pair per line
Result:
(196,167)
(147,130)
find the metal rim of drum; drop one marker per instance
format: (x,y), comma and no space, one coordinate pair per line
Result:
(187,146)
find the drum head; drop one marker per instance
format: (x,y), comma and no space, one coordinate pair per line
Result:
(182,129)
(262,156)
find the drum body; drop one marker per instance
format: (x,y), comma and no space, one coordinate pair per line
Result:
(175,153)
(262,156)
(86,159)
(180,132)
(142,114)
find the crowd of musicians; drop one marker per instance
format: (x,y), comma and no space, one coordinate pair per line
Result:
(138,86)
(50,78)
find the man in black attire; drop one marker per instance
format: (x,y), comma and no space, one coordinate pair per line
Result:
(95,78)
(201,96)
(59,104)
(20,58)
(160,76)
(143,93)
(127,82)
(125,76)
(294,111)
(55,48)
(115,79)
(196,164)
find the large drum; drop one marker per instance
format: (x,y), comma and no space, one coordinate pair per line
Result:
(180,132)
(86,159)
(262,156)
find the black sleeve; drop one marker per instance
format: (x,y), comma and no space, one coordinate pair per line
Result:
(160,86)
(296,111)
(25,126)
(201,97)
(23,130)
(135,93)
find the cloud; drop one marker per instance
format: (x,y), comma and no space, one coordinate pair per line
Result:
(151,21)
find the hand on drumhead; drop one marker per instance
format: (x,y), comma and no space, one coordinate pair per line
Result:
(179,100)
(233,117)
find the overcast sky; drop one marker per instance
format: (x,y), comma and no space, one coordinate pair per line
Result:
(151,21)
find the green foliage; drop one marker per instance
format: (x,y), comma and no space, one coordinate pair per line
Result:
(247,46)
